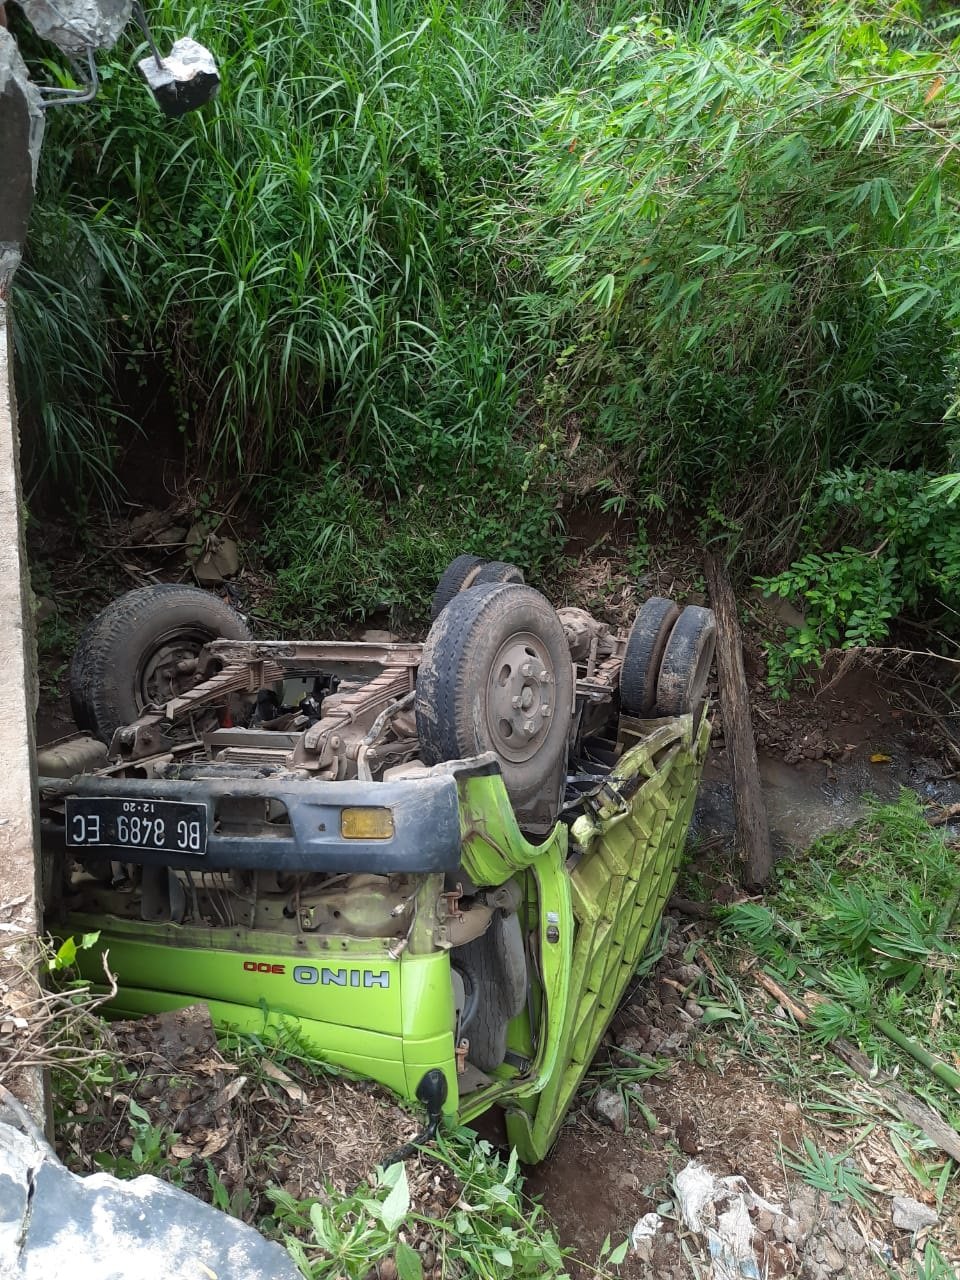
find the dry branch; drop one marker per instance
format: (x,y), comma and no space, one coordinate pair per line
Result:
(42,1028)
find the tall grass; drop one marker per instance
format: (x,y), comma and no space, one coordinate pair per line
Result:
(301,254)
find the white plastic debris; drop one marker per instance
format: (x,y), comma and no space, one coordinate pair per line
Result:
(719,1209)
(645,1229)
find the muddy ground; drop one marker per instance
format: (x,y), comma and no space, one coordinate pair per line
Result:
(614,1170)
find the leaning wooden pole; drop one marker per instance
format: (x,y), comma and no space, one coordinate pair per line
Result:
(753,831)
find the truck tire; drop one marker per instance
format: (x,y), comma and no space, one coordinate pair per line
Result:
(124,657)
(641,661)
(496,968)
(496,675)
(78,678)
(458,574)
(687,659)
(497,571)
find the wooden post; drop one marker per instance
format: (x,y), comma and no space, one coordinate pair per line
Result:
(20,908)
(753,831)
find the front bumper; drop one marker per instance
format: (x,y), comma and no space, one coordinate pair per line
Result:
(426,824)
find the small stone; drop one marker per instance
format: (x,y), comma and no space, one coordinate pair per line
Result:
(611,1109)
(764,1221)
(791,1230)
(687,1137)
(694,1010)
(911,1215)
(689,974)
(846,1237)
(632,1041)
(803,1207)
(643,1248)
(655,1038)
(831,1257)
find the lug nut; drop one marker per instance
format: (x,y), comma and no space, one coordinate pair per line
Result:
(545,712)
(516,702)
(530,727)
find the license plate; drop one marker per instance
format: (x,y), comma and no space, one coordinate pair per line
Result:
(160,826)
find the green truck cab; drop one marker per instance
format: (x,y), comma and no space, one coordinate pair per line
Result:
(438,868)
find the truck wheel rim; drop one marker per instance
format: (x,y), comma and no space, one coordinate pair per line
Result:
(158,679)
(520,697)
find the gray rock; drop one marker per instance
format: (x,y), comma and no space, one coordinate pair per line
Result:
(655,1038)
(689,973)
(101,1226)
(833,1259)
(803,1207)
(765,1221)
(911,1215)
(694,1010)
(643,1249)
(611,1109)
(846,1236)
(790,1229)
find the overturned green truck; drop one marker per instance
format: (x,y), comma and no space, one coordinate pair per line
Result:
(437,863)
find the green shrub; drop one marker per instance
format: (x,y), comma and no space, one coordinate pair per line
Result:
(737,232)
(906,558)
(337,550)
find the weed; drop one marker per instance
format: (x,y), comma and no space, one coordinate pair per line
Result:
(298,262)
(623,1075)
(933,1265)
(489,1232)
(830,1174)
(56,641)
(863,928)
(337,550)
(908,557)
(149,1150)
(714,244)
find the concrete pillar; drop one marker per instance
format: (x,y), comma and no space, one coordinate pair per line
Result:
(20,907)
(21,132)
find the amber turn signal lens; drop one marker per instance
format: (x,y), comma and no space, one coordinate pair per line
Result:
(366,824)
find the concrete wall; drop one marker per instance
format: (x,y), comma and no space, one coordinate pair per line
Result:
(19,890)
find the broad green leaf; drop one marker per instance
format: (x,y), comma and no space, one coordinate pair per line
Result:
(409,1262)
(619,1253)
(717,1013)
(912,300)
(394,1209)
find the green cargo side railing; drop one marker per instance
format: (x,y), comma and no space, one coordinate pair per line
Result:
(598,900)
